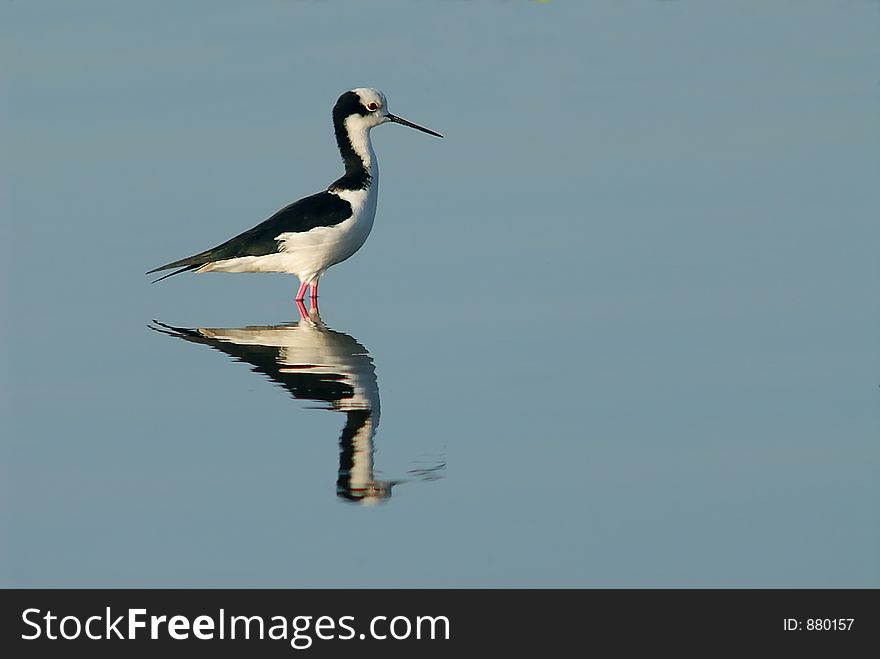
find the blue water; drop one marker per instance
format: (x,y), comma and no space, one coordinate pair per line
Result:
(619,328)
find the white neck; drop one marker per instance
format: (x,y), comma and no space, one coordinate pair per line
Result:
(359,135)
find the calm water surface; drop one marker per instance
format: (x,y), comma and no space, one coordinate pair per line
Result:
(619,328)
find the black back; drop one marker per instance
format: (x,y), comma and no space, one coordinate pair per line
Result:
(323,209)
(318,210)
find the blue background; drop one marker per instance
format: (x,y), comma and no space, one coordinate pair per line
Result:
(630,300)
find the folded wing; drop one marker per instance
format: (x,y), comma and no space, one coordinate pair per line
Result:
(323,209)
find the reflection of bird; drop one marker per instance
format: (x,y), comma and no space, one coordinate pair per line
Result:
(316,363)
(316,232)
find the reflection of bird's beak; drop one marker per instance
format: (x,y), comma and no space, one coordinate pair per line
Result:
(404,122)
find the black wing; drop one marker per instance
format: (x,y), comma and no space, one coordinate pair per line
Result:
(323,209)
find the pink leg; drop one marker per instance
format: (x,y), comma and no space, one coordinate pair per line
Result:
(301,293)
(314,295)
(303,312)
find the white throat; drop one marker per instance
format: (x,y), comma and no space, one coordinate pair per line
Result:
(358,129)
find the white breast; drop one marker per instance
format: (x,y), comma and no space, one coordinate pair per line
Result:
(310,253)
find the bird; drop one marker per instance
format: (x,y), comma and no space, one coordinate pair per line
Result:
(310,235)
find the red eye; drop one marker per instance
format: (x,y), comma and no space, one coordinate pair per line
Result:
(372,106)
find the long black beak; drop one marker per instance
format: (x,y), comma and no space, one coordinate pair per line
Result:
(404,122)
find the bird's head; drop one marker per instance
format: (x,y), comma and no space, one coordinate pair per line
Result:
(366,108)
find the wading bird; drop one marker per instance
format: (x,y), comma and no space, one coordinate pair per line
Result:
(316,232)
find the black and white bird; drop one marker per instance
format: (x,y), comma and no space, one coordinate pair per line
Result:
(316,232)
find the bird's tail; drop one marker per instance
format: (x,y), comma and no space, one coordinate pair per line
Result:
(185,265)
(171,274)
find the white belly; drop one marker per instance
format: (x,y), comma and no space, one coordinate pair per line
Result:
(308,254)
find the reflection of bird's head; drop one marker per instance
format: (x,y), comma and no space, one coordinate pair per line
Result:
(356,481)
(370,494)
